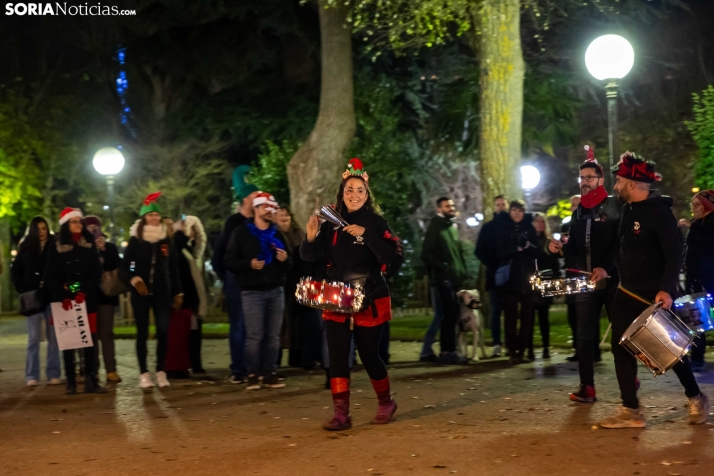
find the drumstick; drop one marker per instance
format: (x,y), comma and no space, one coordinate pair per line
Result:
(573,270)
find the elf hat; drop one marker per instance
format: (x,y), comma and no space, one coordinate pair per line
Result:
(241,188)
(634,167)
(267,199)
(149,205)
(68,213)
(355,169)
(591,161)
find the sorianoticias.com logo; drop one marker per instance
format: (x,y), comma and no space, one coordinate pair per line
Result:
(58,9)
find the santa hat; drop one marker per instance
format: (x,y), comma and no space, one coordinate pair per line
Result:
(706,197)
(267,199)
(149,205)
(591,161)
(633,167)
(68,213)
(355,169)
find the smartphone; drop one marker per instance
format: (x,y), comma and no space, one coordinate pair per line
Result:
(556,236)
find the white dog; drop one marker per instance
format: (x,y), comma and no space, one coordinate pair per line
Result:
(470,320)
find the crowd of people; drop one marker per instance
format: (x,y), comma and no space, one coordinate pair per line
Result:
(261,255)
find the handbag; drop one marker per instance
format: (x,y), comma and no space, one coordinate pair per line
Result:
(112,284)
(503,275)
(31,302)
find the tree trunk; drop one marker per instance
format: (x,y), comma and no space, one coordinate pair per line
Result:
(315,169)
(501,101)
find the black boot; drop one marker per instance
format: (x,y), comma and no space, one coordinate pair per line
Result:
(327,378)
(71,387)
(91,384)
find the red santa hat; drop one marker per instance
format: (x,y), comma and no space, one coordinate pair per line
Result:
(68,213)
(265,198)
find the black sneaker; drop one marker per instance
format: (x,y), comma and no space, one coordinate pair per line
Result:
(70,389)
(237,378)
(253,383)
(271,381)
(572,358)
(452,358)
(428,358)
(281,377)
(546,354)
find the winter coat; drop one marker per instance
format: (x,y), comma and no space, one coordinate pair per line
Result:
(28,268)
(73,263)
(219,252)
(243,247)
(604,239)
(699,256)
(109,260)
(509,237)
(442,252)
(486,251)
(192,284)
(153,259)
(650,247)
(354,260)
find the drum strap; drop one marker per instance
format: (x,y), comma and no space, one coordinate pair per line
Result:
(587,244)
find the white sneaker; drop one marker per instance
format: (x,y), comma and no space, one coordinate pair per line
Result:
(496,351)
(626,418)
(54,381)
(145,380)
(161,379)
(32,383)
(698,409)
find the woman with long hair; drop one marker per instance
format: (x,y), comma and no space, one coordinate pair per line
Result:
(357,254)
(27,272)
(150,266)
(72,274)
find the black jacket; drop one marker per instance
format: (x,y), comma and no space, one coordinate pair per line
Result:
(699,256)
(604,238)
(350,259)
(546,260)
(155,263)
(28,268)
(244,247)
(190,294)
(73,263)
(509,237)
(109,260)
(486,251)
(650,247)
(219,251)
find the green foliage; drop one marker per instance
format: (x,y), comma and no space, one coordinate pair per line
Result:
(702,129)
(270,172)
(560,209)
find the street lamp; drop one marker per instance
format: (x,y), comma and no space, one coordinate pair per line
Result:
(530,177)
(109,161)
(610,57)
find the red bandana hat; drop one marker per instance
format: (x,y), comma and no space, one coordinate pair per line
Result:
(68,213)
(265,198)
(633,167)
(706,198)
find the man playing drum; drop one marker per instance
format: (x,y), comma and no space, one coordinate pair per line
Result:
(648,264)
(593,245)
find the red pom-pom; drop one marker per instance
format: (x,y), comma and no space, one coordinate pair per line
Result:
(591,154)
(151,197)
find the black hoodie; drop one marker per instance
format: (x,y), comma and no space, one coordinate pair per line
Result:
(699,259)
(510,236)
(650,247)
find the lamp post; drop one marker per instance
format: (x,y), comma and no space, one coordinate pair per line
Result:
(109,161)
(610,57)
(530,177)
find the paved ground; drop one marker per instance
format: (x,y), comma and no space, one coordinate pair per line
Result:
(484,419)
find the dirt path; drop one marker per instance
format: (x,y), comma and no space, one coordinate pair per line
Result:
(484,419)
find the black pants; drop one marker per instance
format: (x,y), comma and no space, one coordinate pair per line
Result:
(542,310)
(699,348)
(384,344)
(161,305)
(367,339)
(588,308)
(572,319)
(195,341)
(450,313)
(90,371)
(624,311)
(517,340)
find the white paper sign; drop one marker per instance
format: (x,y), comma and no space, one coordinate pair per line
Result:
(71,327)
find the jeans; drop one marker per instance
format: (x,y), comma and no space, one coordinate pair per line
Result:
(450,314)
(496,308)
(263,313)
(588,307)
(236,331)
(339,341)
(161,304)
(517,339)
(105,335)
(34,335)
(435,325)
(624,311)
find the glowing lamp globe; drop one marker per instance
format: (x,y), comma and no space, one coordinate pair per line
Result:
(108,161)
(530,177)
(609,57)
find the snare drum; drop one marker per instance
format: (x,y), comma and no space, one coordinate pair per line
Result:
(658,338)
(696,311)
(562,287)
(332,296)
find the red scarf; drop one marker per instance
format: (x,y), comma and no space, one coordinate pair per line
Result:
(594,197)
(76,237)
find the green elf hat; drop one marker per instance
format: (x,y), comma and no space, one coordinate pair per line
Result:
(355,168)
(150,204)
(241,188)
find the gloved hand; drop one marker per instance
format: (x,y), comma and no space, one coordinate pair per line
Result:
(79,297)
(67,304)
(522,240)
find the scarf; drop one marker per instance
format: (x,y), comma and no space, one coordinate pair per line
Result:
(594,197)
(76,237)
(267,240)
